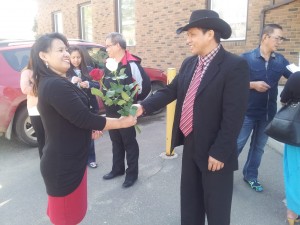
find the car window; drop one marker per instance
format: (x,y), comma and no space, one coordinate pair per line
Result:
(17,58)
(97,57)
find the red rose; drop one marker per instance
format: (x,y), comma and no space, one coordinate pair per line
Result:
(96,74)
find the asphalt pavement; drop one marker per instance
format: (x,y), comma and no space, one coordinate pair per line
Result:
(153,200)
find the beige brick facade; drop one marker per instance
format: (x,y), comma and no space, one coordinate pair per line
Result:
(156,23)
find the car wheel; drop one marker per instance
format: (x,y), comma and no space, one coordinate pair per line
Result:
(23,128)
(155,86)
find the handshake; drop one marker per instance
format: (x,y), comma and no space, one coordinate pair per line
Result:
(138,108)
(131,120)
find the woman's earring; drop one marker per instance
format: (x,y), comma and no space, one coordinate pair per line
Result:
(47,65)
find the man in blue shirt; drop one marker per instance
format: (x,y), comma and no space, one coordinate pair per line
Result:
(266,68)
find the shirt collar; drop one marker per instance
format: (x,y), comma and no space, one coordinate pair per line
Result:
(128,57)
(258,53)
(208,58)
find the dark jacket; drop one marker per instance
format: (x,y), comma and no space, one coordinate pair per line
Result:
(219,107)
(263,105)
(93,84)
(68,122)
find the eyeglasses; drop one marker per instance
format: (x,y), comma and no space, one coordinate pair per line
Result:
(278,38)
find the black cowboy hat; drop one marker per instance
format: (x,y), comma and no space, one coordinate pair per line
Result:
(207,19)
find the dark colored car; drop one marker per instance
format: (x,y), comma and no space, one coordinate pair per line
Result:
(14,56)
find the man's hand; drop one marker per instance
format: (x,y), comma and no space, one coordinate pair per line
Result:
(139,110)
(259,86)
(214,165)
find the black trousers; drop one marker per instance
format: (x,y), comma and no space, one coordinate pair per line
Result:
(124,140)
(39,132)
(204,192)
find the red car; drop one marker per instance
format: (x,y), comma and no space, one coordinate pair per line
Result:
(14,56)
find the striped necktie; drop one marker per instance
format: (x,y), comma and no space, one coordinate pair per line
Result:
(186,120)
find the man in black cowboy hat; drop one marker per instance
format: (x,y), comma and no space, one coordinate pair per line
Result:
(211,89)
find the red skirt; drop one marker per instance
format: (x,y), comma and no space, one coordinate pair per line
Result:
(69,209)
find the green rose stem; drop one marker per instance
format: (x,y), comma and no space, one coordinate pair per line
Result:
(132,112)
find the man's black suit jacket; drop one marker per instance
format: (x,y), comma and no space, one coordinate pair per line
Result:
(219,107)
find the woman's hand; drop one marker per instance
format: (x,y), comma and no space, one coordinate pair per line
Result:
(128,121)
(84,84)
(75,80)
(96,134)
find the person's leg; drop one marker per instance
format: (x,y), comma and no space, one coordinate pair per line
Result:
(191,191)
(92,155)
(258,142)
(39,132)
(132,152)
(244,133)
(218,188)
(118,151)
(291,173)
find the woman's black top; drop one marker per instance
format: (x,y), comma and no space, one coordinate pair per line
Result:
(68,122)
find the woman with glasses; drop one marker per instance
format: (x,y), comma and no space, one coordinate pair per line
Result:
(78,74)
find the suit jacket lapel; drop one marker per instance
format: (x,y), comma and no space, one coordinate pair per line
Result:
(189,75)
(211,71)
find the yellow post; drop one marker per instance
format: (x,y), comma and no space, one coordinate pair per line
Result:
(170,115)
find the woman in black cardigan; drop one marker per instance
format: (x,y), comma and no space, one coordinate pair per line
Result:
(68,123)
(78,74)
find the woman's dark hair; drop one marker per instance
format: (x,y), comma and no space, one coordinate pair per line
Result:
(29,64)
(43,44)
(83,66)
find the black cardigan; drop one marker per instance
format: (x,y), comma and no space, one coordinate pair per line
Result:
(68,122)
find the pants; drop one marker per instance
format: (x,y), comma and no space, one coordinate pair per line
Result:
(92,154)
(257,144)
(124,140)
(204,192)
(39,132)
(291,173)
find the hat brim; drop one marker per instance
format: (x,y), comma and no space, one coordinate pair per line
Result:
(209,23)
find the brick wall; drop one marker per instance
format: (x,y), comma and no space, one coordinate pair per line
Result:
(157,43)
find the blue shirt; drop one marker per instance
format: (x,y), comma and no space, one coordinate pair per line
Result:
(263,105)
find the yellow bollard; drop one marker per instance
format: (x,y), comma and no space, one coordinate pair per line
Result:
(170,115)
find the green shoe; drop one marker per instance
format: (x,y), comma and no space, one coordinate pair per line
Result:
(255,185)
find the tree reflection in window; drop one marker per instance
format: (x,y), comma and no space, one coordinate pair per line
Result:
(235,15)
(127,20)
